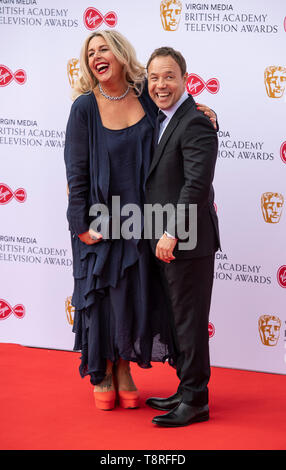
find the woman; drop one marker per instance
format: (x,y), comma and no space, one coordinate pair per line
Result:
(120,312)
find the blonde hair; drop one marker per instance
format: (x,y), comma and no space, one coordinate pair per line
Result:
(124,52)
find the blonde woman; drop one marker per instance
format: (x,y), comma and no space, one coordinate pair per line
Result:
(120,312)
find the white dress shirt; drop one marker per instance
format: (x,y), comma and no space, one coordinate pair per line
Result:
(170,113)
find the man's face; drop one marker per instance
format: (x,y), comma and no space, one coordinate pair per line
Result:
(166,83)
(171,17)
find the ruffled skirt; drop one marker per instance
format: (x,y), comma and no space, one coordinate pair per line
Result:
(120,307)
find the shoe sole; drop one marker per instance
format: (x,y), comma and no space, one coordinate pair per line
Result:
(196,420)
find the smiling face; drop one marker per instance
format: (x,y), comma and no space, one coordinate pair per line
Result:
(166,84)
(102,62)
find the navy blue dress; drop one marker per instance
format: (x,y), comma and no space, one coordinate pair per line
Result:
(120,308)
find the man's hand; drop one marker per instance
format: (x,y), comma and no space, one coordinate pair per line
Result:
(208,112)
(91,237)
(165,247)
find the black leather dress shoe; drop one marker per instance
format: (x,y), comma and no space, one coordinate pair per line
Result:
(165,404)
(183,415)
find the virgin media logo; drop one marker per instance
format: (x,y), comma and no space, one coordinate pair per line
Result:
(283,152)
(6,76)
(6,194)
(6,310)
(281,276)
(92,18)
(211,330)
(195,85)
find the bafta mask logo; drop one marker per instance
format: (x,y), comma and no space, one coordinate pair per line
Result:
(69,308)
(170,12)
(269,329)
(271,205)
(73,71)
(275,81)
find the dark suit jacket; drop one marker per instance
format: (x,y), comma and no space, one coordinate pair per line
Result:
(182,171)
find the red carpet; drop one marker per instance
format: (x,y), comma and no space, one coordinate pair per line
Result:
(45,405)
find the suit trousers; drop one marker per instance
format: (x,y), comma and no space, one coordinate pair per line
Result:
(188,284)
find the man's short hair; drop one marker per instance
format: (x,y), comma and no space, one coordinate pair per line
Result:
(169,51)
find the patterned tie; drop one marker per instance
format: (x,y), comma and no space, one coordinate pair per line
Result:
(160,118)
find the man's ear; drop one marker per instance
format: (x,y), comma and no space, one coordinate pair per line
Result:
(185,77)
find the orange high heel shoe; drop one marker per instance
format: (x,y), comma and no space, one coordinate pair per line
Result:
(128,399)
(105,400)
(123,379)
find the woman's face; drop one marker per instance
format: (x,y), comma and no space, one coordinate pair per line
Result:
(102,62)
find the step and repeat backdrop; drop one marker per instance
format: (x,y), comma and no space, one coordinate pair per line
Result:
(235,53)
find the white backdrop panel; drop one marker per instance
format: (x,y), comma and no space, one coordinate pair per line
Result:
(232,43)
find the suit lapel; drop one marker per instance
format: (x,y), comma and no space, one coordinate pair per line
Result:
(160,147)
(185,106)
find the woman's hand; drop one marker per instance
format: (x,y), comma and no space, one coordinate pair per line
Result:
(91,237)
(208,112)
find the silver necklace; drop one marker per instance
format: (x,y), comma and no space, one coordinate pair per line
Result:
(113,98)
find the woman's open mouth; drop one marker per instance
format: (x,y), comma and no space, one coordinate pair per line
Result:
(102,67)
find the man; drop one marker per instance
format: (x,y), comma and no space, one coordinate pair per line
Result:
(181,172)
